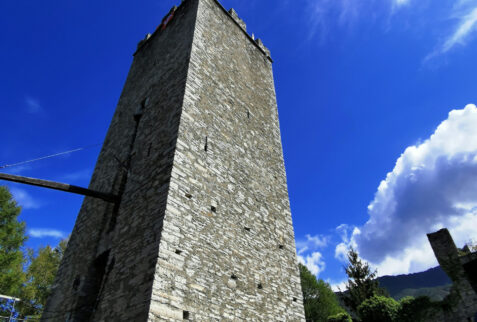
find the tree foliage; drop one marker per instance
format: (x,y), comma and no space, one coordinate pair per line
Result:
(30,281)
(319,300)
(416,309)
(40,276)
(379,309)
(340,317)
(12,239)
(362,283)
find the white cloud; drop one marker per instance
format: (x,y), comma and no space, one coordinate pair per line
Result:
(24,199)
(345,232)
(313,262)
(46,232)
(33,105)
(466,25)
(322,13)
(465,11)
(339,286)
(311,243)
(433,185)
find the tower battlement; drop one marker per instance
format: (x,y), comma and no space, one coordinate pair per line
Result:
(231,13)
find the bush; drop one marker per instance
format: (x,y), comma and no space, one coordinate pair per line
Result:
(417,309)
(379,309)
(340,317)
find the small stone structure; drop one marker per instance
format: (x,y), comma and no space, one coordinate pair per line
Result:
(461,267)
(203,230)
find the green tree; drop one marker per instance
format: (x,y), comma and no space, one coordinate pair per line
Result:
(12,239)
(40,276)
(340,317)
(379,309)
(362,283)
(414,309)
(319,300)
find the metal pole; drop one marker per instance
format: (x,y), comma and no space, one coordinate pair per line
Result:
(60,186)
(13,309)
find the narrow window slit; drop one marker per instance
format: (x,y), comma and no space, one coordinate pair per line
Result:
(76,283)
(149,150)
(295,299)
(206,146)
(185,315)
(213,209)
(248,114)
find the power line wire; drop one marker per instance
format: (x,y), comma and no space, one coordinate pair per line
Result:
(47,157)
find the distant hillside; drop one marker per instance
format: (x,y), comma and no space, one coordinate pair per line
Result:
(436,293)
(433,283)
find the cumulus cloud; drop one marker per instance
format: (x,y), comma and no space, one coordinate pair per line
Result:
(46,232)
(307,254)
(433,185)
(345,232)
(24,199)
(314,262)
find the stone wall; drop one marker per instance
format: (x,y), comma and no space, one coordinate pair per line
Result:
(462,299)
(136,162)
(203,230)
(228,249)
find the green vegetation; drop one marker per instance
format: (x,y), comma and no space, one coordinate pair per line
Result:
(379,309)
(437,293)
(12,239)
(40,276)
(319,300)
(369,303)
(362,283)
(340,317)
(23,273)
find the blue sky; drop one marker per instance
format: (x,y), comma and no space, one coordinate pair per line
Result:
(379,145)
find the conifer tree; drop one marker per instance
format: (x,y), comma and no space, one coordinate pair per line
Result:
(362,283)
(12,239)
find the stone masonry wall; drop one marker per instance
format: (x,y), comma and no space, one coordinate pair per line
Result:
(203,231)
(463,298)
(135,161)
(227,250)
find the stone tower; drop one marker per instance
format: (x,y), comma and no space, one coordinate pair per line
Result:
(461,268)
(203,228)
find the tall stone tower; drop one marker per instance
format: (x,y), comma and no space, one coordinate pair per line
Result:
(203,229)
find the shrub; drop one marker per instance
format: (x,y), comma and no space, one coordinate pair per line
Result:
(340,317)
(378,309)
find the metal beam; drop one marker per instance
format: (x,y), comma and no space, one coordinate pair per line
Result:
(60,186)
(9,298)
